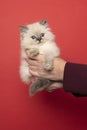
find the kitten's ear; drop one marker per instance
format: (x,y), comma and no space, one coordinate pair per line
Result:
(23,29)
(44,22)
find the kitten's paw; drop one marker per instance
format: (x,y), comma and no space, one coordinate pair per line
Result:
(34,51)
(48,65)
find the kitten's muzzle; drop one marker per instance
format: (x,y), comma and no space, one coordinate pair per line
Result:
(39,39)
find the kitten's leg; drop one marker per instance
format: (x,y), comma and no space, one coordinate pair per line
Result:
(39,85)
(48,62)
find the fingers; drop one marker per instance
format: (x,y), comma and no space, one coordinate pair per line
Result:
(36,58)
(35,64)
(34,73)
(33,68)
(32,62)
(33,79)
(54,86)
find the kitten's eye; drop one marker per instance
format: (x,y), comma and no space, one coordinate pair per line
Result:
(33,37)
(42,34)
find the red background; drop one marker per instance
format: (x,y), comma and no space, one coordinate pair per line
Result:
(44,111)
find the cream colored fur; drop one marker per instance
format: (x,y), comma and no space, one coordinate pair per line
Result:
(47,47)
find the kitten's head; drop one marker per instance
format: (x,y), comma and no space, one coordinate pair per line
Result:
(36,34)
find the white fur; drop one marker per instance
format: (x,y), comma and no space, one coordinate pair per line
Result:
(47,47)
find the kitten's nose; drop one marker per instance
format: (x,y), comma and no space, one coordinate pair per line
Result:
(39,39)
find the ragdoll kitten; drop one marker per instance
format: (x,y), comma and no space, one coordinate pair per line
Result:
(39,39)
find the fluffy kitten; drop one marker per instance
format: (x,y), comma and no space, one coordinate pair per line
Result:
(39,39)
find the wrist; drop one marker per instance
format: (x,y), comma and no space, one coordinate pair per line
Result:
(61,68)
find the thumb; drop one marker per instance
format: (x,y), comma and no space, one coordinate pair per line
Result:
(54,86)
(34,73)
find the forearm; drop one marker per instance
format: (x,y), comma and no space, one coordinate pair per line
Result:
(75,78)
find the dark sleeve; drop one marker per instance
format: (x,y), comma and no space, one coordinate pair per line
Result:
(75,79)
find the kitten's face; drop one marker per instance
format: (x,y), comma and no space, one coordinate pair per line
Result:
(36,34)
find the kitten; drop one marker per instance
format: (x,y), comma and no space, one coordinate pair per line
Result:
(39,39)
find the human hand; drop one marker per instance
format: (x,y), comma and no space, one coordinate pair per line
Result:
(36,67)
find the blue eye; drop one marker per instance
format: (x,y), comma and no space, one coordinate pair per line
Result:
(42,34)
(33,37)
